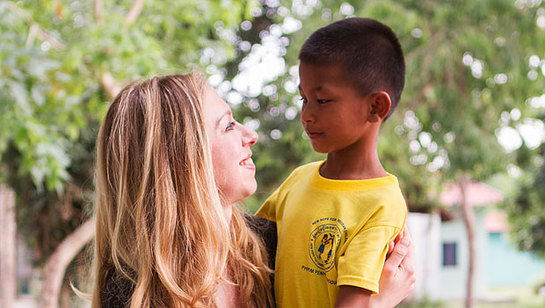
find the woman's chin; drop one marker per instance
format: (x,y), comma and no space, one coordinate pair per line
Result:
(248,191)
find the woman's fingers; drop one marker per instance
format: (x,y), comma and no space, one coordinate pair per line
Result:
(397,279)
(408,262)
(400,236)
(407,234)
(391,246)
(397,255)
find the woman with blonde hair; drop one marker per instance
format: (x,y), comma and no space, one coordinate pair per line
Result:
(171,165)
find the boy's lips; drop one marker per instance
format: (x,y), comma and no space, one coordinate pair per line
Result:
(313,135)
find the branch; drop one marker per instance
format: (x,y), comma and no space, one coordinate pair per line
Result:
(40,33)
(99,7)
(57,263)
(32,32)
(134,11)
(109,85)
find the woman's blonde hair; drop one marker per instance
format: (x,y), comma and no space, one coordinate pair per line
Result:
(160,222)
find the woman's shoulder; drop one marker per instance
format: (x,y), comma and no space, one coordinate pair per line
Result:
(265,229)
(117,290)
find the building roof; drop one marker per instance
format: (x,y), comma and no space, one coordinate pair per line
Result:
(477,194)
(496,221)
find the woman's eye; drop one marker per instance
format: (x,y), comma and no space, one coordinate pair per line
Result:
(323,101)
(230,125)
(303,100)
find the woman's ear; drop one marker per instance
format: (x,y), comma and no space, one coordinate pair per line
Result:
(380,106)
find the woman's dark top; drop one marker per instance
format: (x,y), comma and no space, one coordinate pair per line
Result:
(118,289)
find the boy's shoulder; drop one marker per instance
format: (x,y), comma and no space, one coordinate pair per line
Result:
(309,167)
(302,171)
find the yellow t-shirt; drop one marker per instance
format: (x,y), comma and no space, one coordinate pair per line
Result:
(331,233)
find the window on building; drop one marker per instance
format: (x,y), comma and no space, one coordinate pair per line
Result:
(449,254)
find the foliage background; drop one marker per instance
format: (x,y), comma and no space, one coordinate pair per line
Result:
(475,86)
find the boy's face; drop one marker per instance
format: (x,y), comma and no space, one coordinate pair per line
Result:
(334,115)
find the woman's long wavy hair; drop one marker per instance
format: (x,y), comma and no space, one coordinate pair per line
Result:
(160,221)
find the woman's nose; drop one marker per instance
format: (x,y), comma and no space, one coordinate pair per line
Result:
(249,136)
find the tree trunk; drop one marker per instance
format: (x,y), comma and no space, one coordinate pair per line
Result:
(57,263)
(66,292)
(8,283)
(469,221)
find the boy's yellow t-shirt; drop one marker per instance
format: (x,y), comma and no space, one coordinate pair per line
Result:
(331,233)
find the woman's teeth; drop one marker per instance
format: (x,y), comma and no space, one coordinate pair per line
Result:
(246,162)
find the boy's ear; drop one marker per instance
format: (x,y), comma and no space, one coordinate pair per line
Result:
(380,106)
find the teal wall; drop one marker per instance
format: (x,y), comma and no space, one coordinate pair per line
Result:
(506,266)
(453,279)
(498,264)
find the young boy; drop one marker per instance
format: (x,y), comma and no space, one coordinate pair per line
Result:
(335,218)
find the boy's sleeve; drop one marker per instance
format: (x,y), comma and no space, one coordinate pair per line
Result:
(268,209)
(274,205)
(360,265)
(362,258)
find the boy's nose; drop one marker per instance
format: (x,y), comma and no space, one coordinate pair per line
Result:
(306,114)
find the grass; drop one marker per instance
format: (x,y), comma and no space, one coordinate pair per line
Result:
(517,297)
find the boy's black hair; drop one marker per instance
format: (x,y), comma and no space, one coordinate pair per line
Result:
(368,51)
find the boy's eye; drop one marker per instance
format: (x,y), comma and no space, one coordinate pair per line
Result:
(230,126)
(323,101)
(302,99)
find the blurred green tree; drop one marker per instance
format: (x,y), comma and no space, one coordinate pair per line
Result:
(62,61)
(471,65)
(526,214)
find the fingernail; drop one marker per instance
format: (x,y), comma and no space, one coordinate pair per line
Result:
(405,241)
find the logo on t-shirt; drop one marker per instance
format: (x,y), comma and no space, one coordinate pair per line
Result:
(324,240)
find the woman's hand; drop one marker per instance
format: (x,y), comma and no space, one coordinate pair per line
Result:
(398,278)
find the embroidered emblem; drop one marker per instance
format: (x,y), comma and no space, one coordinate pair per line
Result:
(324,241)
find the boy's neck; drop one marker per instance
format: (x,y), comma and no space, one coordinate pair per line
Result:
(352,166)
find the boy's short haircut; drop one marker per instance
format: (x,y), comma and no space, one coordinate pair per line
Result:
(368,50)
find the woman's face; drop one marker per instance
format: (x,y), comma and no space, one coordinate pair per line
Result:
(230,141)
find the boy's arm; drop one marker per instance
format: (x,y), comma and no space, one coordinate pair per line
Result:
(362,257)
(350,296)
(396,282)
(358,296)
(361,261)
